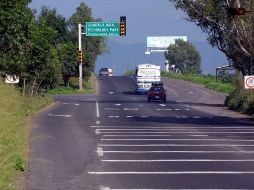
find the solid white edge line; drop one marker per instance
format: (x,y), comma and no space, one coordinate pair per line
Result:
(173,173)
(179,160)
(138,135)
(97,109)
(170,132)
(179,151)
(175,145)
(236,140)
(182,128)
(108,188)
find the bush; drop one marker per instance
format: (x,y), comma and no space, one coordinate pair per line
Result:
(240,99)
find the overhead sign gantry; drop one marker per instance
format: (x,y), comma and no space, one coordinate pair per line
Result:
(99,29)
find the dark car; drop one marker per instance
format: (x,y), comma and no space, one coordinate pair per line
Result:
(103,72)
(157,84)
(156,93)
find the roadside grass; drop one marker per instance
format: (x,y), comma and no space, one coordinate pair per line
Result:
(15,114)
(89,87)
(207,81)
(15,110)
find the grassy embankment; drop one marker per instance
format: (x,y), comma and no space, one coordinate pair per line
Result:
(208,81)
(15,113)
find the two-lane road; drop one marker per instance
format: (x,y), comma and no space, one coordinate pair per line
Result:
(117,140)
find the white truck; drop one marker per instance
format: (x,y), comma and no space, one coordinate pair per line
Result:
(145,75)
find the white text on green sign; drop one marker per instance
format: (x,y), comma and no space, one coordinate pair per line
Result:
(102,28)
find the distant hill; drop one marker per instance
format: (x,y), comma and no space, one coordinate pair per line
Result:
(125,57)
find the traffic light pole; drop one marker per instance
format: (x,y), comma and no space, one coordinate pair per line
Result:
(80,63)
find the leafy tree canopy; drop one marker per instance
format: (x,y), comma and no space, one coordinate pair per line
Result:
(233,35)
(184,56)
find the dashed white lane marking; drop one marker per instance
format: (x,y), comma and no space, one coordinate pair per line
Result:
(113,109)
(174,173)
(143,116)
(198,135)
(179,160)
(111,92)
(187,109)
(128,116)
(100,151)
(64,103)
(179,151)
(176,145)
(117,104)
(55,115)
(162,105)
(164,109)
(229,140)
(97,132)
(191,92)
(177,109)
(181,117)
(130,109)
(97,109)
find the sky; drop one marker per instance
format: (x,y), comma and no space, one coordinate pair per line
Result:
(144,17)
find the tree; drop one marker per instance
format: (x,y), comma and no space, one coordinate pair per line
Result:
(68,59)
(184,56)
(16,27)
(56,22)
(231,34)
(43,69)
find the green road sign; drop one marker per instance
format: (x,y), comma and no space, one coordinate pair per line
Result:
(102,28)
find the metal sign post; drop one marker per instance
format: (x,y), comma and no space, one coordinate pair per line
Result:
(80,62)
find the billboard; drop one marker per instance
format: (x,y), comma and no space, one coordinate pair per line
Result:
(163,41)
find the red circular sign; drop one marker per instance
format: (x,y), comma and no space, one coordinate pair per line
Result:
(250,82)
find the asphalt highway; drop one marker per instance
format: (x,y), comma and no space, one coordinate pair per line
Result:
(116,140)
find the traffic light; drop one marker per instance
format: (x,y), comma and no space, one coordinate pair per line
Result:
(237,11)
(123,26)
(80,56)
(82,29)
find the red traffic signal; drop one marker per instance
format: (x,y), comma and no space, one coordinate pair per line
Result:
(237,11)
(123,26)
